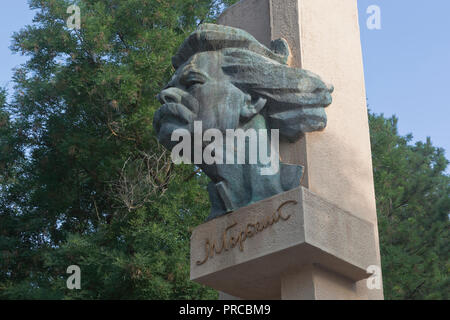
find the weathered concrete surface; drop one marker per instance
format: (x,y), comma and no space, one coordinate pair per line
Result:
(315,283)
(309,231)
(323,37)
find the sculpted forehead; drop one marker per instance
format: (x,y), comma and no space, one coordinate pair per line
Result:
(207,63)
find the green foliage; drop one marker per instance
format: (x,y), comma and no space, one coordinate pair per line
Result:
(83,180)
(413,201)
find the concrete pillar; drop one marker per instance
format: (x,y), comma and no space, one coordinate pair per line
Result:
(316,283)
(324,38)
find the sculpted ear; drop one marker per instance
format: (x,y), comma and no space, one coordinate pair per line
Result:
(251,107)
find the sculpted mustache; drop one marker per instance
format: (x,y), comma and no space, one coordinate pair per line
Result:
(173,110)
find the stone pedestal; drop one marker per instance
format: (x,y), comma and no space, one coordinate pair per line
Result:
(295,245)
(324,38)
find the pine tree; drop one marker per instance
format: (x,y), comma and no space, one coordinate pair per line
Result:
(87,183)
(413,202)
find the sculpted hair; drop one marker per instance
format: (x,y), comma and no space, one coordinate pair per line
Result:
(295,97)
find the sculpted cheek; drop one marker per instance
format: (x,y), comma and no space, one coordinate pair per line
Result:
(191,102)
(218,103)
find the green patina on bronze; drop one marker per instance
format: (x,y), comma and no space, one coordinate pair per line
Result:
(228,80)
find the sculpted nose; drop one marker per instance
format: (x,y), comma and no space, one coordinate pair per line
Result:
(169,96)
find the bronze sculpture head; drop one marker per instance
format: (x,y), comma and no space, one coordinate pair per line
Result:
(227,80)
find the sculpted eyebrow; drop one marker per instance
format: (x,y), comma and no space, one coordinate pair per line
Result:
(186,75)
(191,73)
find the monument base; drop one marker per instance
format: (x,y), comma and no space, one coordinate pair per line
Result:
(295,245)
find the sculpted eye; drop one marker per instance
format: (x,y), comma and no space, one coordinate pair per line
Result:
(193,79)
(192,82)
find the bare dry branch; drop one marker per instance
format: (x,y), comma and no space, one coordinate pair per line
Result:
(143,177)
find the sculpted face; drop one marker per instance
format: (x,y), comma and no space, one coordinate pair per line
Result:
(199,91)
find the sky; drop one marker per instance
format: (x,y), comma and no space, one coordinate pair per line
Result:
(406,62)
(407,66)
